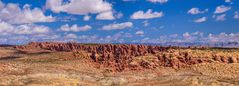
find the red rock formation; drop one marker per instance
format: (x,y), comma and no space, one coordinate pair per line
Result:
(120,56)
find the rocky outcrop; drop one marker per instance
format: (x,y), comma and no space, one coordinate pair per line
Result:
(117,56)
(121,57)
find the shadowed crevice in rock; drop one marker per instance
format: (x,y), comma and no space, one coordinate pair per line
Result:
(9,57)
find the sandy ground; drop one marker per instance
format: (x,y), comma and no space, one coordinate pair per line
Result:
(62,69)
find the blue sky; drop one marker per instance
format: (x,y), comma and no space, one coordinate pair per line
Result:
(119,21)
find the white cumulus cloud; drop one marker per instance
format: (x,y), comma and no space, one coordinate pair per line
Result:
(158,1)
(105,16)
(139,32)
(79,7)
(74,28)
(236,16)
(25,29)
(195,11)
(13,14)
(86,18)
(117,26)
(71,36)
(200,20)
(220,17)
(147,15)
(221,9)
(31,29)
(229,1)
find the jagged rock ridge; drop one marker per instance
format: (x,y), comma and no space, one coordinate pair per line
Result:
(121,57)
